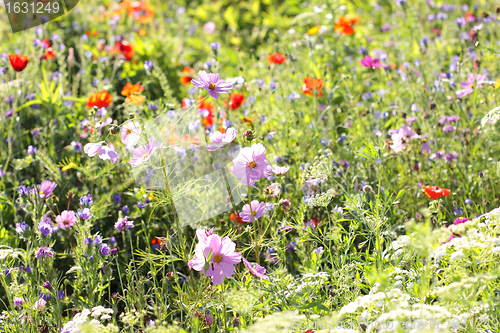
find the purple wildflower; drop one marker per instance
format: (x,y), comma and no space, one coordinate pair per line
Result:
(86,200)
(105,249)
(21,227)
(124,224)
(44,252)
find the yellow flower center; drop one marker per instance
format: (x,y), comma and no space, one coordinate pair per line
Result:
(129,131)
(472,86)
(212,86)
(217,258)
(41,192)
(254,213)
(252,164)
(144,156)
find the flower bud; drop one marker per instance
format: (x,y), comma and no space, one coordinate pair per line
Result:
(248,135)
(209,318)
(114,130)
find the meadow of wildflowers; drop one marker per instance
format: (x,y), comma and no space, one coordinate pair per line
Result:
(252,166)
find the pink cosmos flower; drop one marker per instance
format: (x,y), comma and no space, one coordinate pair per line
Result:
(251,164)
(219,139)
(273,190)
(105,152)
(473,81)
(203,234)
(280,170)
(46,188)
(368,62)
(256,270)
(400,137)
(222,256)
(257,210)
(66,219)
(39,304)
(209,27)
(130,133)
(212,83)
(99,125)
(143,154)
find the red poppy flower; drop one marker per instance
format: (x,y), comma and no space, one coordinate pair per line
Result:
(101,99)
(236,100)
(18,62)
(312,86)
(276,58)
(435,192)
(469,17)
(46,43)
(186,103)
(131,89)
(208,120)
(239,220)
(124,48)
(344,25)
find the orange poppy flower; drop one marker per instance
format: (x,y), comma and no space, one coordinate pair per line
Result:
(143,12)
(236,100)
(91,33)
(127,6)
(101,99)
(312,86)
(185,80)
(236,216)
(49,54)
(208,120)
(131,89)
(435,192)
(344,25)
(18,62)
(276,58)
(125,48)
(193,140)
(188,70)
(205,105)
(135,99)
(142,32)
(314,30)
(248,120)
